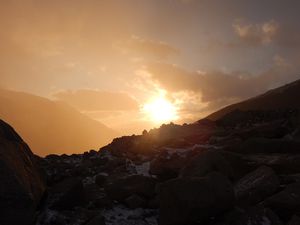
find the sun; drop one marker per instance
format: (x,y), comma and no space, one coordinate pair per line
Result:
(160,110)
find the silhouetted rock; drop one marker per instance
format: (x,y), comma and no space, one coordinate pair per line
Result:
(207,162)
(100,179)
(295,220)
(256,186)
(21,186)
(189,199)
(66,194)
(251,216)
(122,188)
(287,202)
(264,145)
(135,201)
(97,220)
(166,166)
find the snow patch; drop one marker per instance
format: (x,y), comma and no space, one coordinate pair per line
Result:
(120,215)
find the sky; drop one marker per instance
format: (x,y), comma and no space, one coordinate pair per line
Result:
(112,59)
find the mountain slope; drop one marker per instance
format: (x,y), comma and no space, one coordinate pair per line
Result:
(52,127)
(280,98)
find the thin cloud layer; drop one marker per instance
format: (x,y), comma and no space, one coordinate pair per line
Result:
(95,100)
(146,47)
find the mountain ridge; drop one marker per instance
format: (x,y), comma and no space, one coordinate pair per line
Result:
(52,127)
(277,98)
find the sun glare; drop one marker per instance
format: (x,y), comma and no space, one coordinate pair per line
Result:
(160,110)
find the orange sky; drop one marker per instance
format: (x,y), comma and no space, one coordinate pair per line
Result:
(109,58)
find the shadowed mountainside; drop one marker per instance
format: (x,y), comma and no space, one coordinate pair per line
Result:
(52,127)
(279,98)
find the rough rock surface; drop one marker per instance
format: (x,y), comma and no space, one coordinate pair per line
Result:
(256,186)
(189,200)
(21,186)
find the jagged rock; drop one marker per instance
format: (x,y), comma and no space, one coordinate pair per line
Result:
(207,162)
(287,202)
(254,216)
(240,164)
(97,220)
(95,197)
(122,188)
(265,145)
(192,199)
(256,186)
(295,220)
(100,179)
(21,186)
(66,194)
(166,167)
(135,201)
(280,163)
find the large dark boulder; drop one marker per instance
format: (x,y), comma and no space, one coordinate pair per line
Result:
(287,202)
(166,166)
(295,220)
(21,186)
(66,194)
(192,199)
(257,215)
(207,162)
(256,186)
(121,188)
(268,145)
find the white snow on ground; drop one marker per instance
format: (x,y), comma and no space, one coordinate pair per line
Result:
(52,215)
(143,169)
(120,215)
(139,169)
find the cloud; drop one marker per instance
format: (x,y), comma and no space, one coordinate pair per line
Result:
(256,34)
(147,47)
(269,32)
(95,100)
(218,88)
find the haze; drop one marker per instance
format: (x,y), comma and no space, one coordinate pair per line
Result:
(107,61)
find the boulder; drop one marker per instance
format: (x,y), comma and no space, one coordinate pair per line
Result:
(253,216)
(135,201)
(287,202)
(100,179)
(187,200)
(256,186)
(66,194)
(21,186)
(95,197)
(121,188)
(268,145)
(295,220)
(165,166)
(97,220)
(207,162)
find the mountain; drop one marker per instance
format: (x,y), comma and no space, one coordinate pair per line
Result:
(52,127)
(284,97)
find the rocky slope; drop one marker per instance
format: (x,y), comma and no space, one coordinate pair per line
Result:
(280,98)
(241,169)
